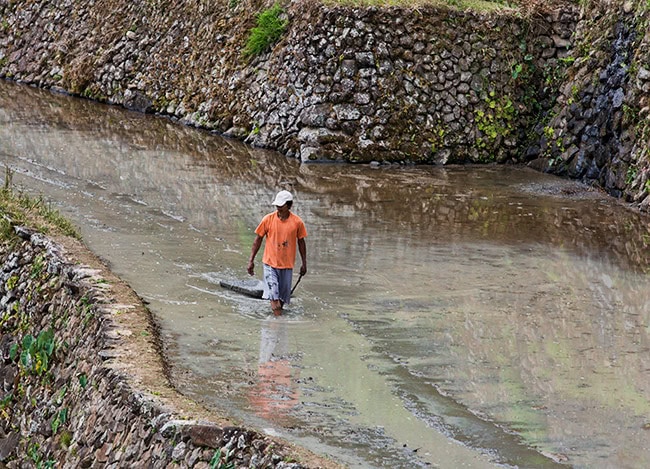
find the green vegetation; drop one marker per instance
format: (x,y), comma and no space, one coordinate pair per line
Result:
(549,132)
(34,453)
(86,311)
(437,138)
(630,176)
(12,282)
(270,27)
(60,419)
(5,405)
(34,349)
(37,267)
(496,120)
(18,207)
(92,93)
(66,439)
(36,352)
(523,70)
(217,463)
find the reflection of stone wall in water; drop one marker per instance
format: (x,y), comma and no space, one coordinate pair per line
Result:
(443,205)
(163,151)
(438,212)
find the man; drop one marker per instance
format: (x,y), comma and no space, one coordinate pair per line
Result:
(283,231)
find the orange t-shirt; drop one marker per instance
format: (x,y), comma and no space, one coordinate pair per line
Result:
(281,237)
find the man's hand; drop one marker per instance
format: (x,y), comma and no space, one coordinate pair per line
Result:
(302,249)
(251,260)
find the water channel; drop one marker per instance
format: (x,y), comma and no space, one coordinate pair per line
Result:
(451,317)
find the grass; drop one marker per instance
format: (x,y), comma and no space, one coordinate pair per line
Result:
(270,27)
(18,208)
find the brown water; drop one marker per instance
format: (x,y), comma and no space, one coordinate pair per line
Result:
(456,317)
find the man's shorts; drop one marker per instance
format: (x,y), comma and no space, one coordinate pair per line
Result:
(277,284)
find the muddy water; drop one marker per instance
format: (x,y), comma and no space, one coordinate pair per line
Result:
(458,317)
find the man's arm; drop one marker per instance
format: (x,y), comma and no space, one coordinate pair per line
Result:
(256,247)
(302,249)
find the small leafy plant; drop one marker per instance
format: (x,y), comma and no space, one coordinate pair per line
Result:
(36,352)
(497,118)
(60,419)
(269,29)
(83,380)
(217,463)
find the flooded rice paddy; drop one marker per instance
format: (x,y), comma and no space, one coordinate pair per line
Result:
(451,317)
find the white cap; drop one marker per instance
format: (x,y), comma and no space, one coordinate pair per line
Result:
(282,198)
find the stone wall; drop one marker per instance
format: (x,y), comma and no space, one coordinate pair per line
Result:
(68,397)
(599,130)
(424,85)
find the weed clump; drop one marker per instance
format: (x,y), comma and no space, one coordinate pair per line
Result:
(270,27)
(16,207)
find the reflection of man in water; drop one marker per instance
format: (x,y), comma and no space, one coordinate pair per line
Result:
(276,391)
(283,231)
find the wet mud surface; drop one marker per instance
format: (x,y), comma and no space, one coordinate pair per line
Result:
(453,317)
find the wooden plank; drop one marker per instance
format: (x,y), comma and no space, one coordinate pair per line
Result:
(253,287)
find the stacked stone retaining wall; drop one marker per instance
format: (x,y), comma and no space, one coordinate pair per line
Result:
(66,399)
(425,85)
(599,129)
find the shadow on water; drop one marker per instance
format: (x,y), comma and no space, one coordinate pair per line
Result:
(457,317)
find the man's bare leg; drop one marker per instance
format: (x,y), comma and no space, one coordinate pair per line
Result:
(276,306)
